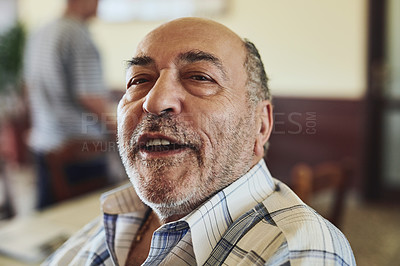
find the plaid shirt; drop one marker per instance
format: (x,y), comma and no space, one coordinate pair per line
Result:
(256,220)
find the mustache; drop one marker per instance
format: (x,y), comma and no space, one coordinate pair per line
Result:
(167,125)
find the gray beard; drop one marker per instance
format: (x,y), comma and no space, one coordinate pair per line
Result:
(160,193)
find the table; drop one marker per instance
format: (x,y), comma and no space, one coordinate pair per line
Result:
(26,240)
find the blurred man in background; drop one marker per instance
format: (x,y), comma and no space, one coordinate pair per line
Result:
(67,98)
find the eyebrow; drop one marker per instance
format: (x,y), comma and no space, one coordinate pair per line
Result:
(140,61)
(190,57)
(198,55)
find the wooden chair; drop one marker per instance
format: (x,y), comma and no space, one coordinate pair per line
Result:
(70,175)
(334,177)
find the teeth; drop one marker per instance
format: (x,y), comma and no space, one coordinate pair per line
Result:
(157,142)
(165,142)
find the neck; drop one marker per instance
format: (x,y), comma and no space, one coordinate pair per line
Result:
(166,216)
(172,218)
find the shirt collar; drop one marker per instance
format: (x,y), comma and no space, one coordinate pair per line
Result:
(209,222)
(123,213)
(122,200)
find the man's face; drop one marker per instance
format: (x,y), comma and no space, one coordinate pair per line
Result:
(185,127)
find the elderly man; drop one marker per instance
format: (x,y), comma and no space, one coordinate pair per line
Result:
(192,126)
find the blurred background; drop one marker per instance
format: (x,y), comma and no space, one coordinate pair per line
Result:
(334,69)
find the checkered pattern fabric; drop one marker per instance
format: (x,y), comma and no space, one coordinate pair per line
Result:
(257,220)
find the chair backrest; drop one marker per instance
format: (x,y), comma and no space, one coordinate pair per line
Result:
(78,168)
(308,181)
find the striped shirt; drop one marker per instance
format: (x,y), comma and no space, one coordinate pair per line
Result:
(62,64)
(257,220)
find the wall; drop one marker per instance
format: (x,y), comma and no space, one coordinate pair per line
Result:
(313,131)
(311,48)
(8,17)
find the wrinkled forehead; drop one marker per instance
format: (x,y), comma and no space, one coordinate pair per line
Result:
(183,35)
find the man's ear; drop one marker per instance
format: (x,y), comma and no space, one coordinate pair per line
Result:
(264,127)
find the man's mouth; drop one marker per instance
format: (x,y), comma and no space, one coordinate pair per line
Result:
(161,145)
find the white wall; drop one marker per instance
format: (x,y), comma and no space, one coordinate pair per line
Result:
(311,48)
(9,14)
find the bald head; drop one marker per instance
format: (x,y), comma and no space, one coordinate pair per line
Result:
(204,29)
(195,34)
(208,35)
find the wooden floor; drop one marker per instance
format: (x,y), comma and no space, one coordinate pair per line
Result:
(373,230)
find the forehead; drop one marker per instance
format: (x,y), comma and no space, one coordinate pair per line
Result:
(167,42)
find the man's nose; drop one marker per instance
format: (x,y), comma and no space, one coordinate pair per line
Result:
(165,96)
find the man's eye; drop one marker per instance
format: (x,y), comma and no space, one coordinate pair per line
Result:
(201,78)
(137,81)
